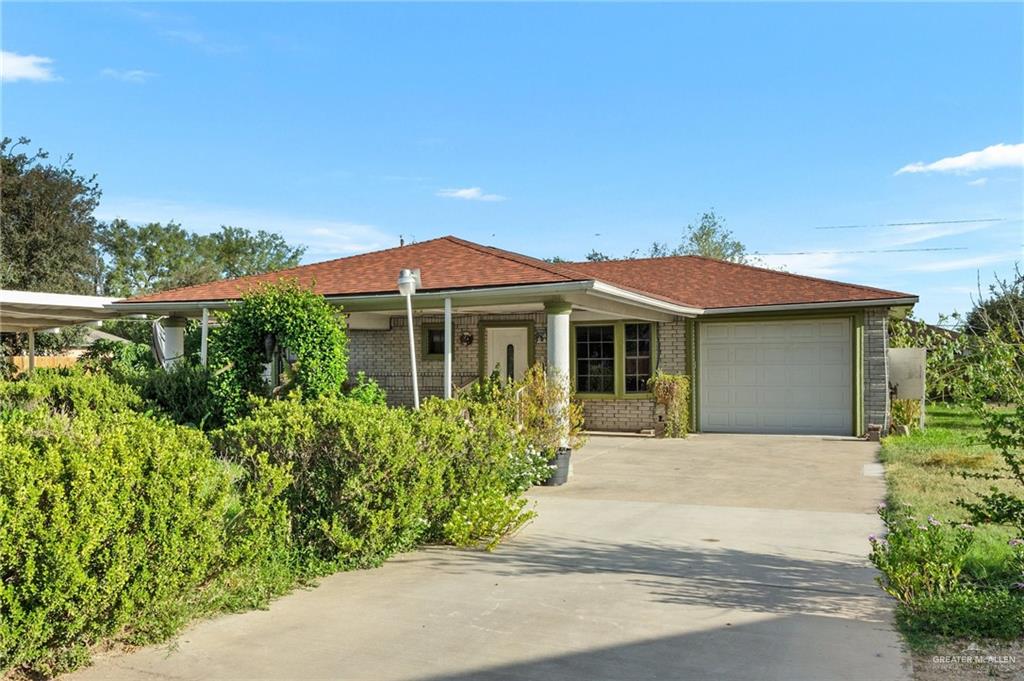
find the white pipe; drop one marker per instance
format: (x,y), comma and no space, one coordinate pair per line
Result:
(204,336)
(31,351)
(447,348)
(412,354)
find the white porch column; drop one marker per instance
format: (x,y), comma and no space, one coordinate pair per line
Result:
(174,340)
(558,353)
(205,335)
(31,351)
(447,348)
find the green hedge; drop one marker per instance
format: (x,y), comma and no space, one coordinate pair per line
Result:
(118,523)
(68,391)
(113,522)
(369,481)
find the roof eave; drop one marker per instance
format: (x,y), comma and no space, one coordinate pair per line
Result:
(797,307)
(382,302)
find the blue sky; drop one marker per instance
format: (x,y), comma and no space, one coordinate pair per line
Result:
(549,129)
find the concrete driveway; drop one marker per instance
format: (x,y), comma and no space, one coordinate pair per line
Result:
(717,557)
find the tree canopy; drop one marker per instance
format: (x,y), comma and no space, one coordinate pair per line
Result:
(153,257)
(47,224)
(709,237)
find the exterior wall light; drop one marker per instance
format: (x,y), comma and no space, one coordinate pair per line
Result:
(408,280)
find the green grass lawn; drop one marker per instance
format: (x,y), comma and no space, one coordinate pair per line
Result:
(923,468)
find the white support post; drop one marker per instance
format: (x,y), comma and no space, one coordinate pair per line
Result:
(31,351)
(204,336)
(174,341)
(447,348)
(558,355)
(412,354)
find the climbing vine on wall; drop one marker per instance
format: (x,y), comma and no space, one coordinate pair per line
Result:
(673,392)
(278,320)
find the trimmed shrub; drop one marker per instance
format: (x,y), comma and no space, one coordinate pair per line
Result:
(68,391)
(182,392)
(369,481)
(124,362)
(486,463)
(114,523)
(359,484)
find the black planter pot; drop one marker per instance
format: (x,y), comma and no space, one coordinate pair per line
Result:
(560,468)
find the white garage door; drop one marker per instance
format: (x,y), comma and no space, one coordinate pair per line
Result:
(776,377)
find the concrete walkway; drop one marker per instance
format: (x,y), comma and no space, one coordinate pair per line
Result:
(718,557)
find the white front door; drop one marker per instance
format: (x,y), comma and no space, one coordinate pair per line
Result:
(507,351)
(777,377)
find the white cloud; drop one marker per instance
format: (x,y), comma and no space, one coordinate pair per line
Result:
(980,182)
(915,234)
(826,264)
(959,263)
(995,156)
(469,194)
(128,75)
(324,238)
(15,67)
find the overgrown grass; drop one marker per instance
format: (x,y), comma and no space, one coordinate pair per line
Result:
(923,468)
(923,471)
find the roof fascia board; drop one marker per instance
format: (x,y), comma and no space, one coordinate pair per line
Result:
(388,301)
(610,291)
(881,302)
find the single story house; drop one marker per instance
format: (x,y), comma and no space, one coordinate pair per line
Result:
(768,351)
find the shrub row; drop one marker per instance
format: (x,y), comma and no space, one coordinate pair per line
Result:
(115,522)
(111,521)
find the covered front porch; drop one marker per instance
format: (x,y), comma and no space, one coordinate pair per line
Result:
(461,336)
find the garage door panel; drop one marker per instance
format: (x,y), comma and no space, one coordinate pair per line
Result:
(777,377)
(835,353)
(744,354)
(719,354)
(834,376)
(746,375)
(838,328)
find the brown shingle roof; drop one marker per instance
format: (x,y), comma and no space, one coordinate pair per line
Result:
(451,263)
(445,263)
(708,283)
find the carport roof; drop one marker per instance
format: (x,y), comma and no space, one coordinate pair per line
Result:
(32,310)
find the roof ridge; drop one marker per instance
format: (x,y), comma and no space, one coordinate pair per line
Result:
(746,266)
(281,271)
(518,258)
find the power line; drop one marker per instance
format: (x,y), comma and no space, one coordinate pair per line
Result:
(880,250)
(913,224)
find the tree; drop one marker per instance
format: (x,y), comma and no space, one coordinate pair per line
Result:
(47,225)
(237,252)
(711,239)
(1003,309)
(156,257)
(150,257)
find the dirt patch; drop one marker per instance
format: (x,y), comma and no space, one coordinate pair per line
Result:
(968,661)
